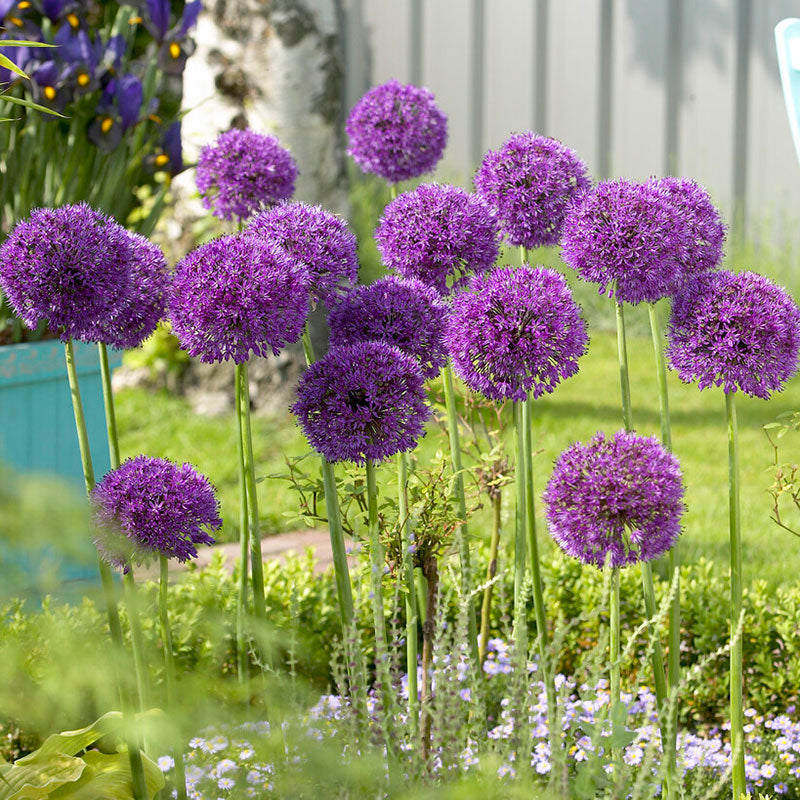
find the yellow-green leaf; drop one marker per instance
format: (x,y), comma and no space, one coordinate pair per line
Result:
(108,775)
(6,62)
(36,781)
(29,104)
(72,742)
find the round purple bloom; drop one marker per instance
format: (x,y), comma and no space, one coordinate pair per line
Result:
(438,234)
(316,238)
(405,313)
(151,507)
(69,266)
(361,401)
(242,172)
(736,330)
(396,131)
(630,239)
(236,295)
(516,332)
(620,497)
(706,228)
(145,304)
(531,182)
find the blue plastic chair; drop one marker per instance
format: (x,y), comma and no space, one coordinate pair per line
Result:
(787,39)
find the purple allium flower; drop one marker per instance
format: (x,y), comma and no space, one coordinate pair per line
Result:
(151,507)
(238,294)
(515,332)
(396,131)
(316,238)
(243,172)
(145,304)
(531,181)
(630,238)
(405,313)
(361,401)
(621,497)
(706,228)
(736,330)
(69,266)
(438,234)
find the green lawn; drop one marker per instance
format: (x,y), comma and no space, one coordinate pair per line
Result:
(161,425)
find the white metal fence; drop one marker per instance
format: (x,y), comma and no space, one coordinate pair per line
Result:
(636,87)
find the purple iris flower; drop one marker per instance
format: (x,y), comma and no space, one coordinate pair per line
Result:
(82,55)
(54,9)
(171,146)
(117,110)
(174,46)
(49,85)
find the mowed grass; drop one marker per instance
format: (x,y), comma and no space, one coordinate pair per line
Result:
(162,425)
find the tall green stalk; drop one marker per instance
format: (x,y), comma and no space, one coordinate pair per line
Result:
(520,554)
(256,558)
(533,554)
(244,545)
(109,592)
(491,571)
(376,562)
(461,500)
(169,671)
(737,711)
(129,584)
(614,650)
(673,557)
(648,589)
(341,570)
(412,616)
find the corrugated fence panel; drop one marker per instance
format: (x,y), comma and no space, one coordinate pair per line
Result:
(706,134)
(574,53)
(705,86)
(509,68)
(447,58)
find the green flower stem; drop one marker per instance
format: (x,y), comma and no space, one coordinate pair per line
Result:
(108,404)
(491,571)
(169,671)
(613,643)
(137,640)
(109,592)
(242,667)
(673,557)
(648,589)
(376,562)
(412,617)
(461,500)
(341,570)
(520,553)
(737,713)
(256,558)
(526,413)
(422,595)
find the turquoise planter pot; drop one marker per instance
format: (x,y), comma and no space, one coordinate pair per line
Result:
(37,428)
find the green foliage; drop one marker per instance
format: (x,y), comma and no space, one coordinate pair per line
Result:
(161,353)
(65,767)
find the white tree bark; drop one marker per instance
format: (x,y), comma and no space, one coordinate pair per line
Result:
(275,66)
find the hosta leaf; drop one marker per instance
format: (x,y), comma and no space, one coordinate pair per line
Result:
(39,779)
(108,775)
(72,742)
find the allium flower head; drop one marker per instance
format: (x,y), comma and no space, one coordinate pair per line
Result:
(706,230)
(238,295)
(515,333)
(620,497)
(316,238)
(145,304)
(630,239)
(243,172)
(405,313)
(151,507)
(396,131)
(531,182)
(361,401)
(69,266)
(736,330)
(438,234)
